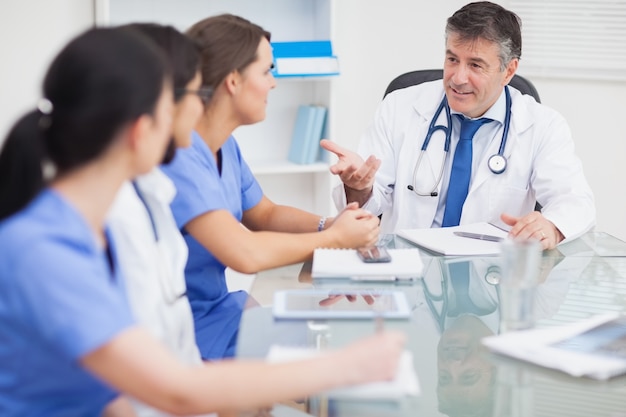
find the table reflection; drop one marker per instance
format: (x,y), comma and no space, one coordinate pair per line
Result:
(465,377)
(451,313)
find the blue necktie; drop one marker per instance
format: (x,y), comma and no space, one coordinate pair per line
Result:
(460,279)
(461,172)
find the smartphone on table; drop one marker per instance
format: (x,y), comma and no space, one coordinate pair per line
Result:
(374,254)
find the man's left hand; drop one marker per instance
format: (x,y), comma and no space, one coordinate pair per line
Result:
(534,226)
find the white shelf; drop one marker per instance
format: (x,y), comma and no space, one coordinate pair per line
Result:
(264,145)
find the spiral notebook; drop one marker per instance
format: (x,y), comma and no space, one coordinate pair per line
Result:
(406,264)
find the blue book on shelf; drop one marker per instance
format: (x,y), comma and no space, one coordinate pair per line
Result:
(301,134)
(313,146)
(304,58)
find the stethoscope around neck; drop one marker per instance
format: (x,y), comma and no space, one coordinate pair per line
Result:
(496,163)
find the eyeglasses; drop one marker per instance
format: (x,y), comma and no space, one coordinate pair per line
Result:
(205,93)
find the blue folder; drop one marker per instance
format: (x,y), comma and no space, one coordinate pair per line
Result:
(301,135)
(307,133)
(302,49)
(313,145)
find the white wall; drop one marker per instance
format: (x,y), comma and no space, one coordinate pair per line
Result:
(385,39)
(596,112)
(375,42)
(31,34)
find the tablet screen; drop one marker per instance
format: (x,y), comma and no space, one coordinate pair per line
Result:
(607,339)
(340,304)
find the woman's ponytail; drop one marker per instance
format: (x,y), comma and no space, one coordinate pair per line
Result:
(21,158)
(98,83)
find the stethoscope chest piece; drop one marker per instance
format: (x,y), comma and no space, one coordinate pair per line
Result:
(497,163)
(493,275)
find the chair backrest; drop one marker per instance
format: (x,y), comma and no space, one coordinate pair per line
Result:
(420,76)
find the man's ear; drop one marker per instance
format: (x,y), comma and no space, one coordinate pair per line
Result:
(510,70)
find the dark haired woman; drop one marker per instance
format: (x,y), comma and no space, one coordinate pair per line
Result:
(105,118)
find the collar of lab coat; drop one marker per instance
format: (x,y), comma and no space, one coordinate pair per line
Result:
(158,184)
(432,93)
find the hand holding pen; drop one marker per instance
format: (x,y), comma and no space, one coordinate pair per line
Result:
(376,357)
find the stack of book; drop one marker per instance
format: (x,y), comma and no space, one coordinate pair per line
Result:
(304,59)
(307,133)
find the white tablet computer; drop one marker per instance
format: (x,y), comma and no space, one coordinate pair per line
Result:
(340,304)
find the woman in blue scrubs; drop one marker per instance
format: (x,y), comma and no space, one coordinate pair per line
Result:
(68,341)
(105,118)
(217,192)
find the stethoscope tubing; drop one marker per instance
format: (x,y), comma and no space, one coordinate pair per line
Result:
(497,162)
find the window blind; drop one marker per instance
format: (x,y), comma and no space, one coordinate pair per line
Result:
(583,39)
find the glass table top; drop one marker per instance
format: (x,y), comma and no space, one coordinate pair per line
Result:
(457,376)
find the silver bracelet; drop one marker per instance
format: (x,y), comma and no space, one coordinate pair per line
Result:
(320,225)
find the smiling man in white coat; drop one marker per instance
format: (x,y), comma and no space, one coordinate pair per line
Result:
(518,152)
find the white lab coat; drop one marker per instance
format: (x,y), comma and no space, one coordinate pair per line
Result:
(542,166)
(154,271)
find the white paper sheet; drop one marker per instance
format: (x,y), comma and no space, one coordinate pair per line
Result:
(307,65)
(404,384)
(443,240)
(538,346)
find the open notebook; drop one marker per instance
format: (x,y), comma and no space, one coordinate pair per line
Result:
(405,264)
(443,240)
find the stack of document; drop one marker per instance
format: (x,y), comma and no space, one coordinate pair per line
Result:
(405,264)
(450,242)
(306,58)
(595,347)
(404,384)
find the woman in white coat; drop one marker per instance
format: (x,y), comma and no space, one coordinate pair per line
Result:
(541,164)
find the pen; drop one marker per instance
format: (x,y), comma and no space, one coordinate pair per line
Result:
(479,236)
(379,321)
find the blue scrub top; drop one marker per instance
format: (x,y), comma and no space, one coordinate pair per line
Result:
(59,301)
(201,188)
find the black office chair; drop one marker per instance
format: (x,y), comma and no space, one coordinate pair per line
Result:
(421,76)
